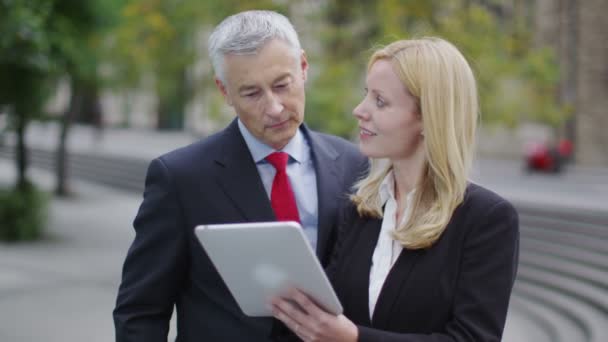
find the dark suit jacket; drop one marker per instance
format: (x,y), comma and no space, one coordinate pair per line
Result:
(212,181)
(456,290)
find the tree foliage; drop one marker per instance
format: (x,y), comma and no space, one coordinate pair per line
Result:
(82,27)
(517,82)
(160,40)
(26,58)
(158,43)
(40,42)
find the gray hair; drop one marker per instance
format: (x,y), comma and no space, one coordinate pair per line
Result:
(245,33)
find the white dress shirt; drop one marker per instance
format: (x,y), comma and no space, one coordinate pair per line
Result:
(301,173)
(387,249)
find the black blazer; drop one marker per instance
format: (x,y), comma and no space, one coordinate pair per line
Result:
(456,290)
(212,181)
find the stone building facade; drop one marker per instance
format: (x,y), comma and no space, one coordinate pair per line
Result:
(578,31)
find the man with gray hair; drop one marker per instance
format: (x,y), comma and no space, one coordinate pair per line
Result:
(266,165)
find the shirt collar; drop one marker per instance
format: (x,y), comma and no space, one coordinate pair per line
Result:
(296,148)
(387,189)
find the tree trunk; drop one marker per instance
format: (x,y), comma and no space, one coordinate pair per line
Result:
(61,162)
(172,104)
(21,155)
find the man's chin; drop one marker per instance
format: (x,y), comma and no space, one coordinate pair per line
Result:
(278,141)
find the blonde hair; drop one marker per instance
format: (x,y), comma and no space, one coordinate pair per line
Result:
(442,82)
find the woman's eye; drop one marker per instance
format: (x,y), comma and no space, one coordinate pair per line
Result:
(380,102)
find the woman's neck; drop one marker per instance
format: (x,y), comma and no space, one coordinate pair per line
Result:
(407,174)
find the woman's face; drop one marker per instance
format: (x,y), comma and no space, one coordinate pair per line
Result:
(389,122)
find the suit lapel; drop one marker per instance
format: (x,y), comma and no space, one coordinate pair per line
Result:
(392,288)
(239,178)
(358,269)
(329,186)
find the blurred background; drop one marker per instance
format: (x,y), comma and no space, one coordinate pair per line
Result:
(91,91)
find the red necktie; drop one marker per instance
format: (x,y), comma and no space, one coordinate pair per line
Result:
(282,198)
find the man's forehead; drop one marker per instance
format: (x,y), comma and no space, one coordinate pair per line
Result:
(271,47)
(243,72)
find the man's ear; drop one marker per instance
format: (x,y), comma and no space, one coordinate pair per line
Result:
(220,85)
(304,65)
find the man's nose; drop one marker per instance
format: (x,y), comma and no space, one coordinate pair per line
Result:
(274,105)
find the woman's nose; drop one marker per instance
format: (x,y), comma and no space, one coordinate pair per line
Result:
(359,112)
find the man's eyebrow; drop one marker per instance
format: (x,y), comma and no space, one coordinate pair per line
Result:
(247,88)
(282,77)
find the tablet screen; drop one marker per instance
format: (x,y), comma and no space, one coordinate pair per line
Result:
(258,261)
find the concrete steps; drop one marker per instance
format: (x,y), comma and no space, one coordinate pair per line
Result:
(115,171)
(562,282)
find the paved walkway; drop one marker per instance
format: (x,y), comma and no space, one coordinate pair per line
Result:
(63,288)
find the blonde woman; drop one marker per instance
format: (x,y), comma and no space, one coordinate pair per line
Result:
(423,254)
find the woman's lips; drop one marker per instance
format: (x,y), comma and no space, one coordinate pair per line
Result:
(366,132)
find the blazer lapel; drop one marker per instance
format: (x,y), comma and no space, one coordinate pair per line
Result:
(328,187)
(239,178)
(393,285)
(356,270)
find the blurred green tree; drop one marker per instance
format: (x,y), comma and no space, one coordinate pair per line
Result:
(42,41)
(78,30)
(160,39)
(516,81)
(345,30)
(26,59)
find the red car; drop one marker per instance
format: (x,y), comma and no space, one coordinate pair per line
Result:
(542,157)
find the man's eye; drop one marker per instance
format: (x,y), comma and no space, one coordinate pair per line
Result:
(254,94)
(281,86)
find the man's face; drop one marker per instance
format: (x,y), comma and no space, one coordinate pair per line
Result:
(267,91)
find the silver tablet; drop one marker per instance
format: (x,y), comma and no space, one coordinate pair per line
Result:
(260,260)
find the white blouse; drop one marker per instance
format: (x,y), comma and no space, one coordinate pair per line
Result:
(387,249)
